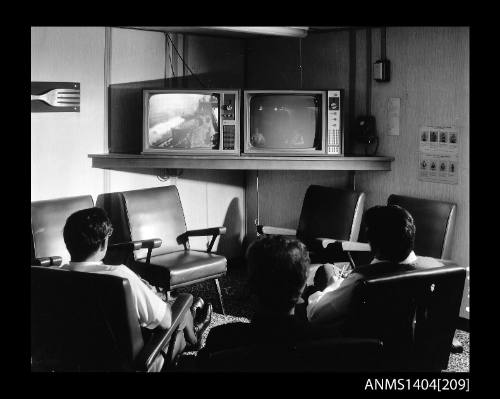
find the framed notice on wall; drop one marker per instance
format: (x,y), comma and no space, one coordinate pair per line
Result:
(438,154)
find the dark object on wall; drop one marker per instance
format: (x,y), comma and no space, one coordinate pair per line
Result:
(365,129)
(55,97)
(382,67)
(382,71)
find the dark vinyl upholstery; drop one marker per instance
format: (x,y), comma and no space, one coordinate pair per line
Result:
(157,212)
(329,212)
(47,222)
(434,223)
(325,355)
(414,313)
(82,321)
(88,322)
(184,267)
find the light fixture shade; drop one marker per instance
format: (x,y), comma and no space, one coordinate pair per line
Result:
(289,31)
(242,31)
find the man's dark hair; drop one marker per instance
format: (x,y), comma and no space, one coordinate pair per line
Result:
(390,230)
(85,232)
(277,271)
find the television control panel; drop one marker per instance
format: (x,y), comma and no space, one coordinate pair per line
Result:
(334,132)
(229,126)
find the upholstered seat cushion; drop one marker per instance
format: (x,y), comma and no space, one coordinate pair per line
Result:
(182,268)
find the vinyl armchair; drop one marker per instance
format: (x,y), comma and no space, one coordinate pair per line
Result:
(88,322)
(329,224)
(48,218)
(434,223)
(158,212)
(414,313)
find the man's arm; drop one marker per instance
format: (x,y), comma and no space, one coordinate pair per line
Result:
(333,302)
(152,311)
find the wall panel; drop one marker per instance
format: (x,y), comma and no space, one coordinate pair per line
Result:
(61,141)
(430,73)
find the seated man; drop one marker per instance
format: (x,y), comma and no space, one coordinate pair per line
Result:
(86,234)
(390,230)
(277,273)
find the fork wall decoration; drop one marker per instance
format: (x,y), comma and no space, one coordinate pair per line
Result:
(55,97)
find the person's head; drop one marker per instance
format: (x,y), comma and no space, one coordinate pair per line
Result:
(390,230)
(277,272)
(86,234)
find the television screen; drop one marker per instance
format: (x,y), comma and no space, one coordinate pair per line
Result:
(285,121)
(183,121)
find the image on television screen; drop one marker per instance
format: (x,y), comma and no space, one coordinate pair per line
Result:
(183,121)
(285,121)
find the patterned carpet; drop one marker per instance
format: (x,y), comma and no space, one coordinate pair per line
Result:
(238,309)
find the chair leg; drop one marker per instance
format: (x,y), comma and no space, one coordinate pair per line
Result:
(217,286)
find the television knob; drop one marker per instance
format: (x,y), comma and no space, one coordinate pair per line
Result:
(228,107)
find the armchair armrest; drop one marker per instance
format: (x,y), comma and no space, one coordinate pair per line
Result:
(206,232)
(161,338)
(130,246)
(346,245)
(135,245)
(47,261)
(210,231)
(261,229)
(341,248)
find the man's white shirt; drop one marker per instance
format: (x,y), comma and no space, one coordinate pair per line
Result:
(332,302)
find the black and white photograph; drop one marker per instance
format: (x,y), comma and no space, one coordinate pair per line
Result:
(231,199)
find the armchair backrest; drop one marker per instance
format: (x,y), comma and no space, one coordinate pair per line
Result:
(414,313)
(82,321)
(329,212)
(144,214)
(434,223)
(324,355)
(47,222)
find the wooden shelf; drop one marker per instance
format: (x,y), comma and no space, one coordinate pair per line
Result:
(133,161)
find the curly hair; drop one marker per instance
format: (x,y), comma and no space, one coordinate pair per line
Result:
(85,232)
(277,271)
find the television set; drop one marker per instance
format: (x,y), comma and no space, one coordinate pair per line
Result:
(191,122)
(293,122)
